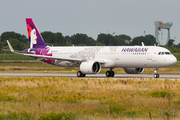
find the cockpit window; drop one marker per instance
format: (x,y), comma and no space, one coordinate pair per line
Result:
(167,53)
(164,53)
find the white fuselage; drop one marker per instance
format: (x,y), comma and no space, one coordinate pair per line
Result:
(116,56)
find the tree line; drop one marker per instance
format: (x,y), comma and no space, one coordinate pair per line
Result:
(21,42)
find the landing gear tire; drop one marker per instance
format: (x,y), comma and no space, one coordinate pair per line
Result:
(110,74)
(156,75)
(80,74)
(83,75)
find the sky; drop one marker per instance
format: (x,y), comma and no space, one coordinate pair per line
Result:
(91,17)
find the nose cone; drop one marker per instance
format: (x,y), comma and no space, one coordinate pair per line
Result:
(172,60)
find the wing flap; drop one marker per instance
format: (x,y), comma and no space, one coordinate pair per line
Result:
(40,57)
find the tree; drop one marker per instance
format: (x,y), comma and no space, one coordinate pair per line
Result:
(106,39)
(67,40)
(12,35)
(118,41)
(59,39)
(49,37)
(151,41)
(16,44)
(99,44)
(147,40)
(177,46)
(56,39)
(170,43)
(82,39)
(0,46)
(126,38)
(24,40)
(8,35)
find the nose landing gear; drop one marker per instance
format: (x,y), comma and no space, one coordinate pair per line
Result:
(156,75)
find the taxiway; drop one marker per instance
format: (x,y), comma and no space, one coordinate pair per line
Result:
(162,76)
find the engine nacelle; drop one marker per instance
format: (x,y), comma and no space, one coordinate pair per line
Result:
(90,67)
(133,70)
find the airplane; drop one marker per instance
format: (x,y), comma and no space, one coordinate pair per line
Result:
(90,59)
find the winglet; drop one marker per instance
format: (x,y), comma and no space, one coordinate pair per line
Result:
(10,47)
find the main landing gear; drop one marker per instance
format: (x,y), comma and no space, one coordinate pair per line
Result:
(110,73)
(156,75)
(80,74)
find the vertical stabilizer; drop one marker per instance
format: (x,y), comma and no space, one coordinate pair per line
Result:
(35,39)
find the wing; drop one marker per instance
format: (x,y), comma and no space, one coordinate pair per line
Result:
(40,57)
(55,58)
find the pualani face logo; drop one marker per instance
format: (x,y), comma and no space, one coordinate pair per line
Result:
(134,50)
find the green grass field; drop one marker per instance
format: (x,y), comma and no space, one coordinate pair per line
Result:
(60,98)
(14,57)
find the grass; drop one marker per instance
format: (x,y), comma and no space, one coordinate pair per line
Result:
(14,57)
(40,67)
(45,98)
(33,67)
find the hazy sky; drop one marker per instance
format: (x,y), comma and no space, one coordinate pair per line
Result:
(130,17)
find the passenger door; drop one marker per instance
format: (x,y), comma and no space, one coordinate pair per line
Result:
(149,54)
(117,55)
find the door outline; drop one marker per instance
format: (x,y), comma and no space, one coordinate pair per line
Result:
(149,54)
(117,56)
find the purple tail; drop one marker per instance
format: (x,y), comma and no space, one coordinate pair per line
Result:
(35,39)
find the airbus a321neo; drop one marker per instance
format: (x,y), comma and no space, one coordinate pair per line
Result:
(90,59)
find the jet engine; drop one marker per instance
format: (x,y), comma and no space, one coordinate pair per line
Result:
(90,67)
(133,70)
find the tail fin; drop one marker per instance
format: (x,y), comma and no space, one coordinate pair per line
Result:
(35,39)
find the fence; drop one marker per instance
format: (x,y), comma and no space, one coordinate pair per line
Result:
(5,57)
